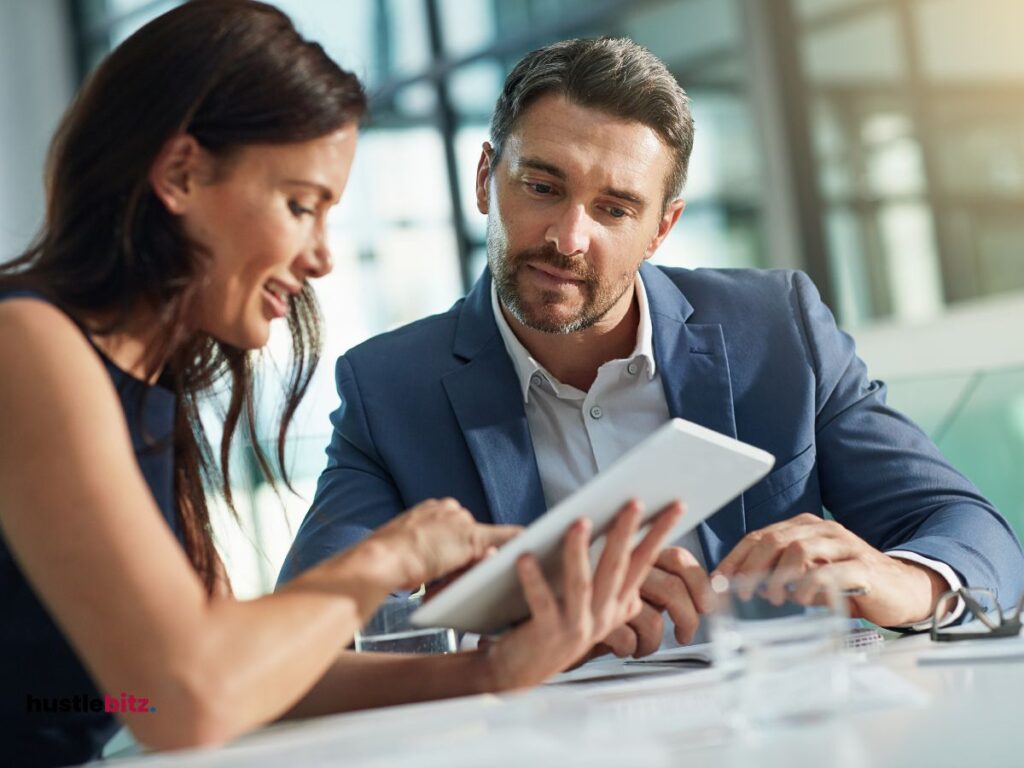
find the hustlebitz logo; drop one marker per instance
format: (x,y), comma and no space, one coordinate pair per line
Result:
(127,703)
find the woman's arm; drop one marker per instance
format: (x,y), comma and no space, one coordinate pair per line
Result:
(83,527)
(367,680)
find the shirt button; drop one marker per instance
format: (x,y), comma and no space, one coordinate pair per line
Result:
(632,368)
(596,412)
(536,380)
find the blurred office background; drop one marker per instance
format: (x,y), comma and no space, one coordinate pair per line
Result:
(876,144)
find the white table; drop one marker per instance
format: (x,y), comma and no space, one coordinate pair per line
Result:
(960,714)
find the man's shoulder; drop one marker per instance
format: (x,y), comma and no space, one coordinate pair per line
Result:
(727,281)
(743,291)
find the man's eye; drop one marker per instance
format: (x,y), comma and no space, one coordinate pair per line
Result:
(541,189)
(299,210)
(616,213)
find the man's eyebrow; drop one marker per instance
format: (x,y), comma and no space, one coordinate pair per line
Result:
(623,194)
(325,192)
(542,165)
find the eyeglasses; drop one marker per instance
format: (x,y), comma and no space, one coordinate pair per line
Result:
(983,604)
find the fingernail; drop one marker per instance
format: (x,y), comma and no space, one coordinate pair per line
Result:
(719,582)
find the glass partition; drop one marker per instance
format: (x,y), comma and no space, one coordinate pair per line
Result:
(977,420)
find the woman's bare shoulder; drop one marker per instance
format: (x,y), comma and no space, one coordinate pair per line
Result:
(33,326)
(50,367)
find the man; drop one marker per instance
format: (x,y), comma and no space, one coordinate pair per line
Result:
(571,349)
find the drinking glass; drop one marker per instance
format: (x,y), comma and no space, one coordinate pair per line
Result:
(783,659)
(389,631)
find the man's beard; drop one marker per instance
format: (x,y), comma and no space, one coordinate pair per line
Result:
(506,269)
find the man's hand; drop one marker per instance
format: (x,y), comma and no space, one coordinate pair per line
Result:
(561,628)
(814,552)
(677,585)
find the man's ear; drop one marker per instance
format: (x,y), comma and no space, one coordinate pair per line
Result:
(483,177)
(175,171)
(668,220)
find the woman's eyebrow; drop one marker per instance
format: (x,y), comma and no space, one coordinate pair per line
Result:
(325,192)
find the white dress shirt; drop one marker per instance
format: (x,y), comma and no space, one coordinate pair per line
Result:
(577,434)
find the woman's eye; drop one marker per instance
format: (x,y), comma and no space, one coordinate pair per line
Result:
(299,210)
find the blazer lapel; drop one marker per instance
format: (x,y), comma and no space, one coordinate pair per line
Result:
(488,404)
(694,369)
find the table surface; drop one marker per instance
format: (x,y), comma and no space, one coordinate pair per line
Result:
(902,712)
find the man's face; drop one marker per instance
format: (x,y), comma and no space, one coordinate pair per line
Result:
(574,206)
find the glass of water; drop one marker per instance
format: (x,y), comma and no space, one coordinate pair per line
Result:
(784,660)
(389,631)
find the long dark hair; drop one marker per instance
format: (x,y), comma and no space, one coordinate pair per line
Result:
(229,73)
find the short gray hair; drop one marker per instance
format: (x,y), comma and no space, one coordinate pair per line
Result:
(613,75)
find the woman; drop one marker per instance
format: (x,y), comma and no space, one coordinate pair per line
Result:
(187,190)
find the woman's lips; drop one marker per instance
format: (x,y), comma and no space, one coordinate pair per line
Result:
(277,307)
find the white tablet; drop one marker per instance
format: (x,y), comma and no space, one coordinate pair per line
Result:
(681,460)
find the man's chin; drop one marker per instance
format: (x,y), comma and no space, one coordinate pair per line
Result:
(547,321)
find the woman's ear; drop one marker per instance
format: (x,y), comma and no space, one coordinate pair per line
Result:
(175,171)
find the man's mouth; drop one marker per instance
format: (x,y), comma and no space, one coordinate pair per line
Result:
(552,274)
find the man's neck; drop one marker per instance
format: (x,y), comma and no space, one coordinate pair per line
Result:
(573,358)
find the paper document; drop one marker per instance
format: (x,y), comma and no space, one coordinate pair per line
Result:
(961,651)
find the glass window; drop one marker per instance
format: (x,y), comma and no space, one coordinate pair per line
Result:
(688,32)
(974,41)
(475,87)
(130,15)
(469,25)
(854,48)
(921,144)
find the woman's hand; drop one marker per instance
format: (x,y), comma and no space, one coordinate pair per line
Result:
(562,631)
(433,539)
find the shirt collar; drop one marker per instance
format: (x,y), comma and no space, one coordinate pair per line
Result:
(526,365)
(644,349)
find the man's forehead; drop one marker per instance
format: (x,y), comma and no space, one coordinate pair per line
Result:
(577,139)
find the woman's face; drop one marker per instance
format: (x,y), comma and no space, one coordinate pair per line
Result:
(261,218)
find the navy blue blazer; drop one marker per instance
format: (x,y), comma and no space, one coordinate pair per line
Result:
(434,409)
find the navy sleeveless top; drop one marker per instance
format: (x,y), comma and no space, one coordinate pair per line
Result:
(51,711)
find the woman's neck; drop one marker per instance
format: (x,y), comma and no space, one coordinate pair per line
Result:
(132,345)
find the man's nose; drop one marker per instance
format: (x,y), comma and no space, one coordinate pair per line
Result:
(570,232)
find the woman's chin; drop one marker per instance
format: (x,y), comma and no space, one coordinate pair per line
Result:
(255,338)
(252,337)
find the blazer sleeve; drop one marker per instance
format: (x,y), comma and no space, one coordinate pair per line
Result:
(355,493)
(884,479)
